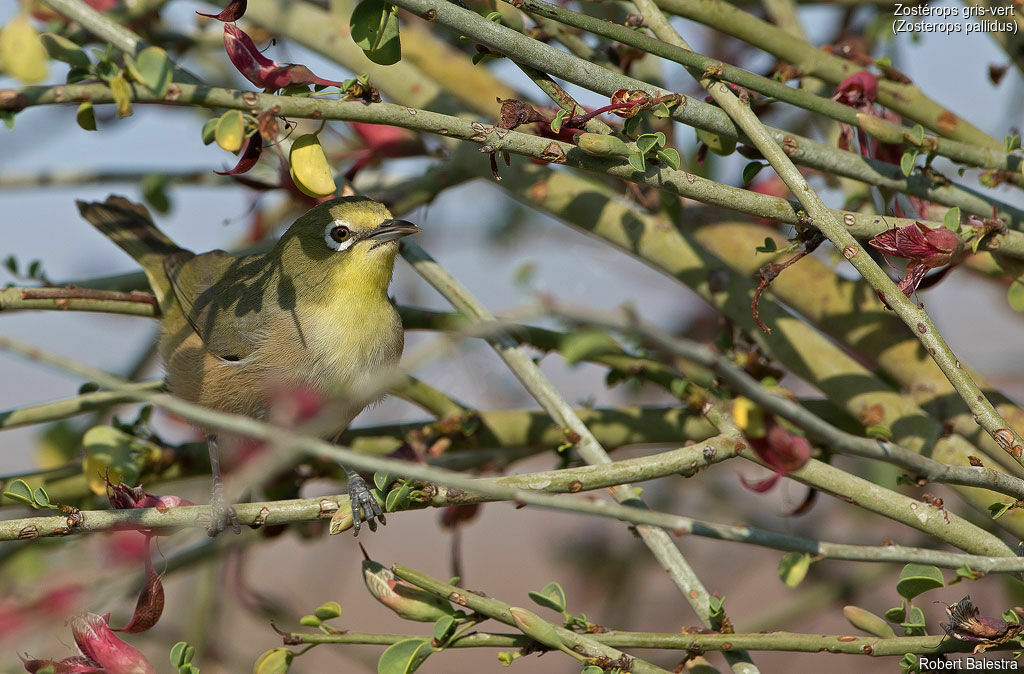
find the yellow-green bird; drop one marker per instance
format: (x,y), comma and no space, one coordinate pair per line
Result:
(313,311)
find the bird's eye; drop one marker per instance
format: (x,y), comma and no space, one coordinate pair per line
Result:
(338,237)
(340,233)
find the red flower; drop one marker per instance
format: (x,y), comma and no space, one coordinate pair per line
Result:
(260,70)
(859,90)
(101,652)
(926,248)
(782,450)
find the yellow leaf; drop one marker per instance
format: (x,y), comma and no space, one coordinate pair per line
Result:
(309,168)
(749,417)
(22,52)
(122,93)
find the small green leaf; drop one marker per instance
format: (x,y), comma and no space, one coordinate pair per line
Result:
(592,669)
(154,70)
(720,145)
(670,156)
(8,118)
(1015,295)
(1011,142)
(374,28)
(897,614)
(907,162)
(41,498)
(631,125)
(154,191)
(63,49)
(917,134)
(793,568)
(918,578)
(997,509)
(586,344)
(76,75)
(309,621)
(86,116)
(405,656)
(965,572)
(331,609)
(884,62)
(716,606)
(178,653)
(382,480)
(659,139)
(647,142)
(209,128)
(661,110)
(915,623)
(1010,616)
(560,117)
(951,219)
(274,661)
(679,388)
(551,596)
(750,171)
(494,16)
(768,247)
(20,491)
(443,627)
(397,498)
(636,160)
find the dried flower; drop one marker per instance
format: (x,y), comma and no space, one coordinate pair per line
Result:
(966,624)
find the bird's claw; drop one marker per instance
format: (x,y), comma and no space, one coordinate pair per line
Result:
(365,507)
(222,514)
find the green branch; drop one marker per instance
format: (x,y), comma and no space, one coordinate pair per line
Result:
(758,641)
(884,130)
(906,99)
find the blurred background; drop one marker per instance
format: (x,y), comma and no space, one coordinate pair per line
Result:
(505,254)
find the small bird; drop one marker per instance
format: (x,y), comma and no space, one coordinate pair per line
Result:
(313,311)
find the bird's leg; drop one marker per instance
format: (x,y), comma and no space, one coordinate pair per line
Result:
(364,505)
(221,513)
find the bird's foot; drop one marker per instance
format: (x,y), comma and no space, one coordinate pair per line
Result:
(222,514)
(365,507)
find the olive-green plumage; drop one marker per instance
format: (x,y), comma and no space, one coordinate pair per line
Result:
(312,311)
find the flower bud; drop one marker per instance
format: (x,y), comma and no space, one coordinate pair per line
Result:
(405,599)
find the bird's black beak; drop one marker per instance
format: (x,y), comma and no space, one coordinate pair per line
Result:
(390,230)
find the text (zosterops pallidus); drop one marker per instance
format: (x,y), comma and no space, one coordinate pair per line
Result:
(313,312)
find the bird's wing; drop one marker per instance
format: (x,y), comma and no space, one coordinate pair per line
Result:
(220,297)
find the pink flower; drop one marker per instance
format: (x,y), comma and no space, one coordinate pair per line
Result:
(260,70)
(101,652)
(859,90)
(926,248)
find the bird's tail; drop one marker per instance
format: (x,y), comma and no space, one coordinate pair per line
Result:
(130,226)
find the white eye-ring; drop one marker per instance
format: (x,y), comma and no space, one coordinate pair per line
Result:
(338,236)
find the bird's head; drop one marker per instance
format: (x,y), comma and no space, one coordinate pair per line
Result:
(346,244)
